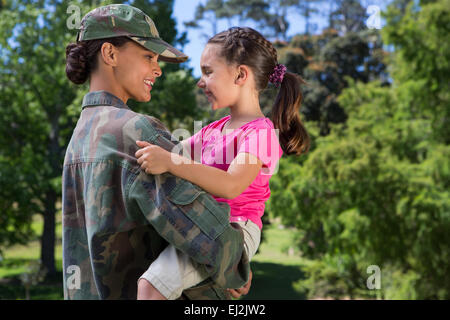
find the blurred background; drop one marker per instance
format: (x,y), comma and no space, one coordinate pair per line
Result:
(365,214)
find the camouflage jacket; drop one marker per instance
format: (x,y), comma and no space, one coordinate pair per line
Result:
(117,219)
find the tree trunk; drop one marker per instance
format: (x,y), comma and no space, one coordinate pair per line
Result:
(51,196)
(48,234)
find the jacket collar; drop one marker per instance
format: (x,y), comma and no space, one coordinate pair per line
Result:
(102,98)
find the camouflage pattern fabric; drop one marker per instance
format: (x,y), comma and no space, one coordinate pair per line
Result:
(117,219)
(118,20)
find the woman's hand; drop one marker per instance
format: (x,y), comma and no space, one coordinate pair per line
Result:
(152,158)
(237,293)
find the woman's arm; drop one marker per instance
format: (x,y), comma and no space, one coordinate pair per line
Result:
(225,184)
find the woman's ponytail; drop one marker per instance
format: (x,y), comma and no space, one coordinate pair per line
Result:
(293,136)
(81,57)
(77,66)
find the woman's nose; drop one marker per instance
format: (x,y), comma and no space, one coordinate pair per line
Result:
(157,70)
(201,83)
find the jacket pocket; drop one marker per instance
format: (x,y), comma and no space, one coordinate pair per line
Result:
(201,208)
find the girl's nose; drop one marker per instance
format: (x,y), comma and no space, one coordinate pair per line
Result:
(201,83)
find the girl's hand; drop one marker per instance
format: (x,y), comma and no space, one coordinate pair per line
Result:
(153,159)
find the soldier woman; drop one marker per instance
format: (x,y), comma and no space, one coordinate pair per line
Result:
(117,218)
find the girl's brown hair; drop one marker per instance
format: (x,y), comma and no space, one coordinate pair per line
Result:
(81,57)
(248,47)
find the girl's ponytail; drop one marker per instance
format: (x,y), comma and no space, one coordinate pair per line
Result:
(286,117)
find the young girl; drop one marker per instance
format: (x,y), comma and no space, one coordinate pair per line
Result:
(237,154)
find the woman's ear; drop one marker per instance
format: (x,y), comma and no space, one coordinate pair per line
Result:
(108,54)
(243,74)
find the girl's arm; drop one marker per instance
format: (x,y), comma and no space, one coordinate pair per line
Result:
(225,184)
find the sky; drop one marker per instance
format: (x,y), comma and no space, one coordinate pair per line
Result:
(184,11)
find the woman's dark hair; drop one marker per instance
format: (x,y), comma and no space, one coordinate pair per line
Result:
(248,47)
(81,57)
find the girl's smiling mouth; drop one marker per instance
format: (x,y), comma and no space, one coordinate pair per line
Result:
(208,94)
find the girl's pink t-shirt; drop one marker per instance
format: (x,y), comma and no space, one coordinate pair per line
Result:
(258,137)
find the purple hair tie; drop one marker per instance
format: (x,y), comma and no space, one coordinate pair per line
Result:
(278,74)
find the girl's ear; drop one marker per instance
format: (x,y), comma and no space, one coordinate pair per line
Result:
(243,73)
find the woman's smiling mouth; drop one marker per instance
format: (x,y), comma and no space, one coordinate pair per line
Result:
(149,83)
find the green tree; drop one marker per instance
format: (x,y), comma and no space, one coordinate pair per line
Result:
(375,190)
(34,97)
(211,12)
(422,60)
(324,60)
(270,16)
(350,16)
(307,10)
(39,109)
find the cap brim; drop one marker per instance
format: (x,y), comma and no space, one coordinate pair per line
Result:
(166,52)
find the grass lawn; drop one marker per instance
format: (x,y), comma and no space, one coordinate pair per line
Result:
(274,270)
(15,262)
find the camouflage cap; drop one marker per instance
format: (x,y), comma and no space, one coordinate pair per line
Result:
(118,20)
